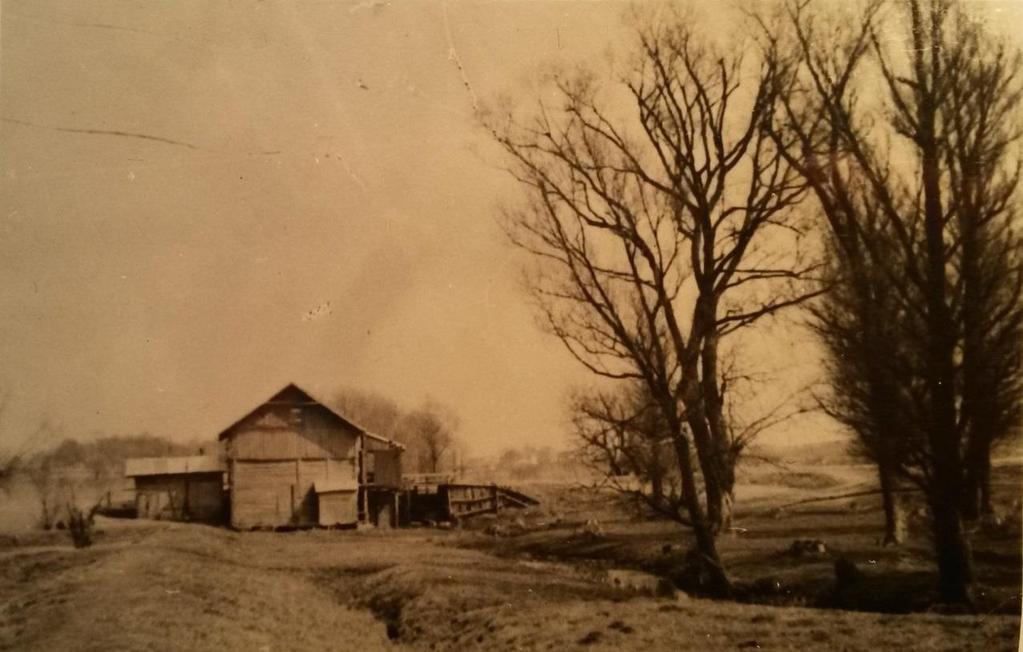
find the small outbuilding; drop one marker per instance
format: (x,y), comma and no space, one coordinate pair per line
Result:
(338,502)
(179,488)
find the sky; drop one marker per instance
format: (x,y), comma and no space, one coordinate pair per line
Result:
(201,202)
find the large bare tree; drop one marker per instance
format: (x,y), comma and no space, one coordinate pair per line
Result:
(657,211)
(913,183)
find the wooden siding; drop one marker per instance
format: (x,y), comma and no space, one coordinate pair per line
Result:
(285,450)
(281,433)
(339,508)
(192,497)
(386,465)
(281,493)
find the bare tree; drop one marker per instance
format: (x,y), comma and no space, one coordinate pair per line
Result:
(427,432)
(899,183)
(378,413)
(621,438)
(982,126)
(648,228)
(430,431)
(871,389)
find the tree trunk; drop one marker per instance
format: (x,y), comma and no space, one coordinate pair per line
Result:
(986,508)
(704,415)
(977,493)
(718,499)
(695,404)
(894,515)
(706,543)
(722,476)
(656,484)
(955,566)
(946,490)
(977,389)
(727,510)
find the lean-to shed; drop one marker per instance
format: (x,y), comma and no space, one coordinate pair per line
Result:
(178,488)
(338,502)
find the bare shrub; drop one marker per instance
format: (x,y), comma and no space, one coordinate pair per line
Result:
(80,524)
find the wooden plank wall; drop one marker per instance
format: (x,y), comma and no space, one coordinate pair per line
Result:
(339,508)
(278,455)
(198,497)
(386,467)
(267,444)
(467,500)
(281,493)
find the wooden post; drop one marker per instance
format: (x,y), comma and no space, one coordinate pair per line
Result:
(360,473)
(296,492)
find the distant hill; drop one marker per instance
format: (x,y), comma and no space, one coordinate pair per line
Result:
(836,451)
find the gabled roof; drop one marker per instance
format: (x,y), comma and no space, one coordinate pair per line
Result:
(172,465)
(294,395)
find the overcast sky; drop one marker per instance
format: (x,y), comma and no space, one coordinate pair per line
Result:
(202,201)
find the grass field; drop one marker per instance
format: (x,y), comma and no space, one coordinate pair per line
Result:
(161,586)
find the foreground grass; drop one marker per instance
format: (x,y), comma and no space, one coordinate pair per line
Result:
(178,587)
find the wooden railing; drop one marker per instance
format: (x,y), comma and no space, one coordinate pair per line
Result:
(414,479)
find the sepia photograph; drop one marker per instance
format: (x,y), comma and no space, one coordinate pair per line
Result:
(511,325)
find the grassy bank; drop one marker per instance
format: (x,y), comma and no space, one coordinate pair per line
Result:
(178,587)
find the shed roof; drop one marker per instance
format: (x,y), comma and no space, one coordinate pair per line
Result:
(141,466)
(292,394)
(332,486)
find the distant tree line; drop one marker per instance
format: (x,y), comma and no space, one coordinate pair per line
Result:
(73,471)
(428,431)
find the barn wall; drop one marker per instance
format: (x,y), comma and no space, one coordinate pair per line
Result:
(386,467)
(288,448)
(191,497)
(262,493)
(278,432)
(339,508)
(281,493)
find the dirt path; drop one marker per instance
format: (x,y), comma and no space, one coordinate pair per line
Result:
(158,595)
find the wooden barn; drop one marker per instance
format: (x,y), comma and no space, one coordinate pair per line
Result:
(179,488)
(294,462)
